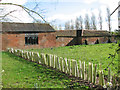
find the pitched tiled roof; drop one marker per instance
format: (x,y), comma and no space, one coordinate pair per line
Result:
(95,33)
(26,27)
(83,33)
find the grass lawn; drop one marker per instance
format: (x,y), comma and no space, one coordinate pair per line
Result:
(98,53)
(19,73)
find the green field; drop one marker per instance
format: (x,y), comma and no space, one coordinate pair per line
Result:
(98,53)
(19,73)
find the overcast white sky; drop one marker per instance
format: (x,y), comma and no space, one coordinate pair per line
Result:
(61,11)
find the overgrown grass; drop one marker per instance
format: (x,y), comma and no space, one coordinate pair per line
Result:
(20,73)
(98,53)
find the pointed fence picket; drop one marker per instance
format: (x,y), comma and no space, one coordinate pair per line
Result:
(61,62)
(74,67)
(80,71)
(94,75)
(63,65)
(68,66)
(83,70)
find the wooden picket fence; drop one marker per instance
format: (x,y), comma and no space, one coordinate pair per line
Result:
(88,72)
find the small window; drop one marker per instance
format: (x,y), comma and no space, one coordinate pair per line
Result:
(31,39)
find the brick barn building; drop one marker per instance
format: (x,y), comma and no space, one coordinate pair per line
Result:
(35,35)
(27,35)
(80,37)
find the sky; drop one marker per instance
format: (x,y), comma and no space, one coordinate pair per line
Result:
(58,12)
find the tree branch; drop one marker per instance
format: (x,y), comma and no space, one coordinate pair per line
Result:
(26,9)
(8,13)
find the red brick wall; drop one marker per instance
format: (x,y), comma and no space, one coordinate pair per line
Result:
(46,40)
(67,38)
(64,41)
(68,41)
(92,40)
(12,40)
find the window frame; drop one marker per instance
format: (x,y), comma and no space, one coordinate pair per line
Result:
(31,39)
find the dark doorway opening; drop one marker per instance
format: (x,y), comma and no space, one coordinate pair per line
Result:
(97,41)
(79,32)
(86,43)
(109,41)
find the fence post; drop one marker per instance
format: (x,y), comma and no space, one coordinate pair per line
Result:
(69,66)
(12,50)
(20,53)
(80,71)
(109,75)
(41,58)
(86,71)
(61,66)
(74,67)
(36,57)
(23,54)
(54,61)
(66,66)
(77,70)
(32,56)
(8,49)
(100,78)
(114,81)
(44,58)
(90,72)
(51,60)
(95,71)
(103,82)
(76,74)
(83,70)
(47,57)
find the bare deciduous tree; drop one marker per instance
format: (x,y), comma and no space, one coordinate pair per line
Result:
(87,24)
(72,25)
(81,22)
(108,19)
(60,27)
(77,24)
(93,22)
(67,25)
(100,20)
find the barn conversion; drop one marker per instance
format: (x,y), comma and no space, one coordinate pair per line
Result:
(27,35)
(36,35)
